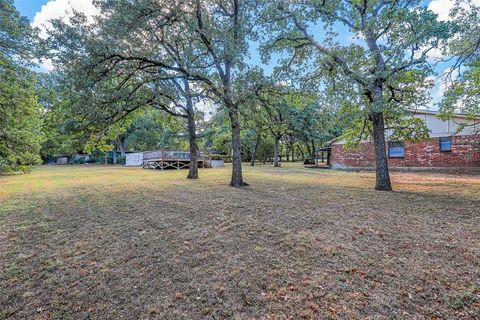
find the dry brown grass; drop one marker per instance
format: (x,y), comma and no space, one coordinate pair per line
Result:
(112,242)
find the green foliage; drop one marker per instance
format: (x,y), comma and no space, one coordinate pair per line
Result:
(17,39)
(217,136)
(383,70)
(121,160)
(217,156)
(151,129)
(123,85)
(462,81)
(464,46)
(120,69)
(403,127)
(20,113)
(409,128)
(316,120)
(80,160)
(463,94)
(20,122)
(57,120)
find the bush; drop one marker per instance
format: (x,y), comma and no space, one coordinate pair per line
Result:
(223,157)
(121,159)
(8,168)
(217,156)
(80,160)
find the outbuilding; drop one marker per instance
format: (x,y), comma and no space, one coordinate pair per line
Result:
(134,159)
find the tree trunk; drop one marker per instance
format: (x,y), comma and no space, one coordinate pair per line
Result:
(237,176)
(122,146)
(114,156)
(265,157)
(254,150)
(382,177)
(381,164)
(293,153)
(309,151)
(276,163)
(192,134)
(312,155)
(302,155)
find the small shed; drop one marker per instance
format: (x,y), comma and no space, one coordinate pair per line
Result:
(134,159)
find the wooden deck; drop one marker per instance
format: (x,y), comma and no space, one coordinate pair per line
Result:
(172,159)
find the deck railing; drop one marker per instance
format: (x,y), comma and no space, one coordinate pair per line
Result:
(171,155)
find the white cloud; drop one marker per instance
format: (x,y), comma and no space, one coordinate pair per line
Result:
(46,65)
(55,9)
(443,7)
(60,9)
(435,54)
(448,76)
(441,84)
(206,106)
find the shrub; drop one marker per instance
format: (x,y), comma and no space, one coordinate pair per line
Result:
(217,156)
(121,159)
(8,165)
(8,168)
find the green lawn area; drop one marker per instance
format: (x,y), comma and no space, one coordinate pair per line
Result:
(106,242)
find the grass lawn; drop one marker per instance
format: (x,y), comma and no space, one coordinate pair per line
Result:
(104,242)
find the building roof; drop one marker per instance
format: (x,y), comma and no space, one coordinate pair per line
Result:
(425,112)
(435,113)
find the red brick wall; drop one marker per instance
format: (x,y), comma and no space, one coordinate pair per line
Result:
(421,154)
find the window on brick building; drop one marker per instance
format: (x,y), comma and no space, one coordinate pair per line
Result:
(396,149)
(446,144)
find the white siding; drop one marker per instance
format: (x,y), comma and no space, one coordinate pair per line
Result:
(437,127)
(457,123)
(440,128)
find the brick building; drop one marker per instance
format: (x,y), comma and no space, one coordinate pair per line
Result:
(448,146)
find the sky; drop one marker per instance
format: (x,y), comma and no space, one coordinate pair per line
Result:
(29,8)
(41,11)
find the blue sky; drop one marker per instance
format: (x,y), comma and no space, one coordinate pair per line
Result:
(56,8)
(28,8)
